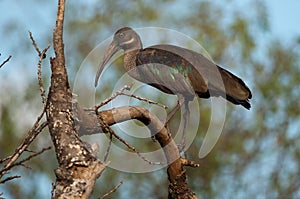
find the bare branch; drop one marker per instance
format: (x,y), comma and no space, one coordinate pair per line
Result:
(112,190)
(40,80)
(116,94)
(31,156)
(5,61)
(35,130)
(145,99)
(106,129)
(43,56)
(121,92)
(5,159)
(25,166)
(178,186)
(9,178)
(32,134)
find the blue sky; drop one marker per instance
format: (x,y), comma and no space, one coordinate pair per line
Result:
(284,18)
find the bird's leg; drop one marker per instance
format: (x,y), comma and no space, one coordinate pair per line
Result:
(170,115)
(186,119)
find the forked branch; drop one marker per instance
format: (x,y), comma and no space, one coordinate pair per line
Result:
(32,134)
(87,123)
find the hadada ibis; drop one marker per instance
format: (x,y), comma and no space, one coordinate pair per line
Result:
(176,70)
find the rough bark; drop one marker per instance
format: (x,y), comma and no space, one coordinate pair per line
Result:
(77,168)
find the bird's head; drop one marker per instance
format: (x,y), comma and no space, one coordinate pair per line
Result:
(124,39)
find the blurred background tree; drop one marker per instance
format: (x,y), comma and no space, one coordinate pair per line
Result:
(257,155)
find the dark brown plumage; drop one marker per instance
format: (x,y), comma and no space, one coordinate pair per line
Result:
(176,70)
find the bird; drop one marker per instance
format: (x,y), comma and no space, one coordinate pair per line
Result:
(175,70)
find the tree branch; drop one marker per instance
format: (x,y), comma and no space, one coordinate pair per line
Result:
(42,90)
(87,123)
(121,92)
(43,56)
(34,131)
(77,169)
(8,179)
(112,190)
(5,61)
(32,134)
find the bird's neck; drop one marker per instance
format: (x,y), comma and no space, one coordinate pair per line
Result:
(130,58)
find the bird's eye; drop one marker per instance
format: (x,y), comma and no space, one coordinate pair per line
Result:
(121,35)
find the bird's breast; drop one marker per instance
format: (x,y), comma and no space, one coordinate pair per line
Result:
(129,60)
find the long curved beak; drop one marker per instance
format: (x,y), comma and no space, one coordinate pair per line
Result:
(112,49)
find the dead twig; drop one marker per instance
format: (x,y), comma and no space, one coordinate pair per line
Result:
(5,61)
(40,80)
(31,156)
(145,99)
(32,134)
(121,92)
(133,149)
(106,101)
(9,178)
(42,55)
(4,159)
(36,47)
(34,131)
(112,190)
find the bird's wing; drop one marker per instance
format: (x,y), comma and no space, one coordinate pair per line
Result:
(169,72)
(216,77)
